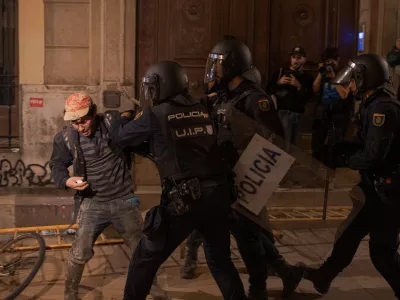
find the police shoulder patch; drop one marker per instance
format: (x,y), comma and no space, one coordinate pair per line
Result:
(264,104)
(138,115)
(378,119)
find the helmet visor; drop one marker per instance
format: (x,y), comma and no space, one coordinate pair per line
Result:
(214,68)
(345,75)
(149,92)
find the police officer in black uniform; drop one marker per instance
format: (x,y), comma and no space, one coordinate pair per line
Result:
(193,242)
(183,140)
(375,153)
(227,88)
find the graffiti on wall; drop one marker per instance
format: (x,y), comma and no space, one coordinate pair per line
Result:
(21,174)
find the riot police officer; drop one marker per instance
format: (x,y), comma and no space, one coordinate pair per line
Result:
(253,74)
(193,242)
(183,140)
(228,89)
(375,153)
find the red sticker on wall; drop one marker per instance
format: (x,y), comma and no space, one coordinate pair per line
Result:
(36,102)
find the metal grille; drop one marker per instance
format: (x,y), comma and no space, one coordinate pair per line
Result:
(8,74)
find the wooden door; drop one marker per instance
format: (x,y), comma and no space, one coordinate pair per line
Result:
(185,31)
(179,30)
(314,25)
(296,23)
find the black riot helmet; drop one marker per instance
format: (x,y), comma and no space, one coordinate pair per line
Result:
(162,81)
(253,74)
(228,59)
(370,71)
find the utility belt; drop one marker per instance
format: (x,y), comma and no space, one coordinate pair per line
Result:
(182,194)
(388,188)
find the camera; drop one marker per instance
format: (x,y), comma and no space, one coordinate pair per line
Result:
(329,67)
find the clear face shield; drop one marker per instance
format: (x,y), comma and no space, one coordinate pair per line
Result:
(345,75)
(149,92)
(214,71)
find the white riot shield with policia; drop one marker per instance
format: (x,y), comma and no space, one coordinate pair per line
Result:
(249,127)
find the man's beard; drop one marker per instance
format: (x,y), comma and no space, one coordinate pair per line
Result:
(296,66)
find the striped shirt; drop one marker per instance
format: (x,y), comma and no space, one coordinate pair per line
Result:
(108,174)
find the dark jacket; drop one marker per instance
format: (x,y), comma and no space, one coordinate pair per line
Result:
(62,158)
(393,57)
(378,136)
(288,97)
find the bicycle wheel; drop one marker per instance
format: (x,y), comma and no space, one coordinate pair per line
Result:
(8,270)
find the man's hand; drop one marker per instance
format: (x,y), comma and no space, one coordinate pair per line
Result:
(76,183)
(295,82)
(284,80)
(331,75)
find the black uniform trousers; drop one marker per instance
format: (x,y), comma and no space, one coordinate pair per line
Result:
(382,223)
(256,248)
(209,215)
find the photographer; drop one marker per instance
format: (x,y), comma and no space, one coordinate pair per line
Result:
(292,88)
(332,107)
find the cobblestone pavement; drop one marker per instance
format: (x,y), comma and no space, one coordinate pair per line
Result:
(105,274)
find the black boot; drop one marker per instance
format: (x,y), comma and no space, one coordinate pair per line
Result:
(257,294)
(291,277)
(190,265)
(73,277)
(157,293)
(320,279)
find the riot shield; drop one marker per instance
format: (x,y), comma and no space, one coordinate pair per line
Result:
(258,177)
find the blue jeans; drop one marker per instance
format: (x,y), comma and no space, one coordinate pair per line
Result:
(291,127)
(94,217)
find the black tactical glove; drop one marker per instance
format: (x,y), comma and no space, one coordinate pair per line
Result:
(112,119)
(113,122)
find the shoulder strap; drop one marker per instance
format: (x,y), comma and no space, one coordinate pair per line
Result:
(71,138)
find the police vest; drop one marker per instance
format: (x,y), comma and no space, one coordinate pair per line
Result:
(192,149)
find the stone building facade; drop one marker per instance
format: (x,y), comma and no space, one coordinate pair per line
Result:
(66,46)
